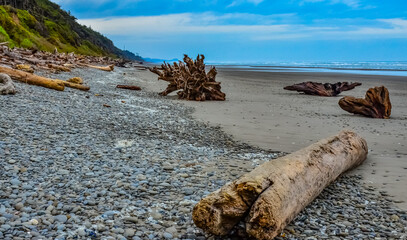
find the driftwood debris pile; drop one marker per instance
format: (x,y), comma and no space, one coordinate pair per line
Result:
(270,196)
(322,89)
(376,103)
(56,62)
(191,79)
(20,64)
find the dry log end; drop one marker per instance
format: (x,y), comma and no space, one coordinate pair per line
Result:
(299,178)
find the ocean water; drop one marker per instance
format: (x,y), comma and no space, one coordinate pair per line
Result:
(390,68)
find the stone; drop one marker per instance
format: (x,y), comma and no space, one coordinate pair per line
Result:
(61,218)
(128,232)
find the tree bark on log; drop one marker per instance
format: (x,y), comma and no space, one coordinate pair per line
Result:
(33,79)
(322,89)
(275,192)
(376,103)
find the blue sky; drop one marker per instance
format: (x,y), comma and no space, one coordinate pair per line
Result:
(252,30)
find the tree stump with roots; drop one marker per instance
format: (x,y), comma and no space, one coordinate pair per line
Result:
(191,79)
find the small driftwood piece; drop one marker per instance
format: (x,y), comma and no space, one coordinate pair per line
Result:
(271,196)
(322,89)
(33,79)
(6,85)
(76,80)
(191,79)
(137,88)
(74,85)
(376,103)
(107,68)
(25,68)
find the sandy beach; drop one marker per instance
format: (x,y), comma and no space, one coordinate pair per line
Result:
(259,112)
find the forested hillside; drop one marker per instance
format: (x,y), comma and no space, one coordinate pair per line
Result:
(43,25)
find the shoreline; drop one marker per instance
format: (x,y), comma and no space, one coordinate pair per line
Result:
(132,165)
(259,112)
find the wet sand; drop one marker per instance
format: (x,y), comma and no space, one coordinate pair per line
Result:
(259,112)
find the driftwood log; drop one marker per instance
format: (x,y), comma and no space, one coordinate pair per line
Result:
(376,103)
(107,68)
(74,85)
(322,89)
(33,79)
(191,79)
(137,88)
(6,85)
(270,196)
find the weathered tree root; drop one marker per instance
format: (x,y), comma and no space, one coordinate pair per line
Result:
(190,77)
(274,193)
(322,89)
(376,103)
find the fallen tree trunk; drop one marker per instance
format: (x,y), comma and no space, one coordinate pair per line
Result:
(275,192)
(33,79)
(129,87)
(376,103)
(322,89)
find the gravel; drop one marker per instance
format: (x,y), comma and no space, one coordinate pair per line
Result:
(73,168)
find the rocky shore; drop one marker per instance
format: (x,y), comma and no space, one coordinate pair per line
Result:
(118,164)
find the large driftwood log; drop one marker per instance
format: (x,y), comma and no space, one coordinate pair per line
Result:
(6,85)
(33,79)
(376,103)
(190,77)
(275,192)
(322,89)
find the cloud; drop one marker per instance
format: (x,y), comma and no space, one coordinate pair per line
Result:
(350,3)
(245,27)
(240,2)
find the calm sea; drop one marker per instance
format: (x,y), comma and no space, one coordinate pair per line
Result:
(392,68)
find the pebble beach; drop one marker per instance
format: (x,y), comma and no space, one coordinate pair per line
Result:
(118,164)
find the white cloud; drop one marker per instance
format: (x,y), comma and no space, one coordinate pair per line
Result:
(350,3)
(232,26)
